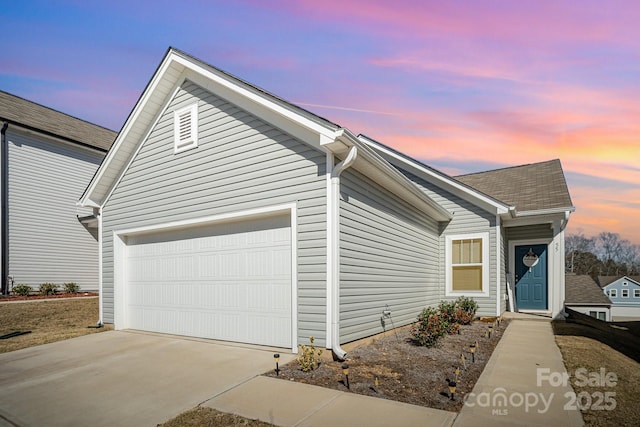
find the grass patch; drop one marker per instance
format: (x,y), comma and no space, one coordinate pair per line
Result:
(591,344)
(48,321)
(207,417)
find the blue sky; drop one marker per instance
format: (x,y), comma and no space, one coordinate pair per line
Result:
(462,85)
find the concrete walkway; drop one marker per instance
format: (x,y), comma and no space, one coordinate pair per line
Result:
(287,403)
(123,378)
(518,386)
(512,374)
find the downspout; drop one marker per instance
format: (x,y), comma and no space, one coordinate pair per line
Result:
(335,250)
(499,257)
(5,209)
(100,293)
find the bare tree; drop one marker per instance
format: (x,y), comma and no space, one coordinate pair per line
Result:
(576,244)
(607,253)
(609,246)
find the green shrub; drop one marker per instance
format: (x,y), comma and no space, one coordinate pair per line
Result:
(71,288)
(448,310)
(468,308)
(22,290)
(429,328)
(308,358)
(48,288)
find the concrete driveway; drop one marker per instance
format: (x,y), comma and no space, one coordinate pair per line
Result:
(120,379)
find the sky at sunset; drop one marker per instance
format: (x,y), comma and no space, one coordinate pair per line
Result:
(462,86)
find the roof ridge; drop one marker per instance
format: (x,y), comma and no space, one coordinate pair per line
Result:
(509,167)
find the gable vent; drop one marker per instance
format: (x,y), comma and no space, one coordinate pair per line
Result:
(186,128)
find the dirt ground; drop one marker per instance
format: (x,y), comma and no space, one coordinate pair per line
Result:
(593,345)
(34,296)
(206,417)
(407,372)
(47,321)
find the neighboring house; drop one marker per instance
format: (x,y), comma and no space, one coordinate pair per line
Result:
(624,293)
(47,159)
(583,295)
(226,212)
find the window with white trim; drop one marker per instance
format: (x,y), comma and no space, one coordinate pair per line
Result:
(636,293)
(467,264)
(185,128)
(625,293)
(613,293)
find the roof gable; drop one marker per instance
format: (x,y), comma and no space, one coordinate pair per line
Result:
(177,67)
(532,187)
(605,281)
(28,114)
(582,289)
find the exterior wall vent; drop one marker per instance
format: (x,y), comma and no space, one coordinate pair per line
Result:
(185,124)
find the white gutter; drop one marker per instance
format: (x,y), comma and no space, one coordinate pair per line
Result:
(334,251)
(546,211)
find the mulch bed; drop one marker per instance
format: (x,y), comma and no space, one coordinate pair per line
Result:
(4,298)
(407,372)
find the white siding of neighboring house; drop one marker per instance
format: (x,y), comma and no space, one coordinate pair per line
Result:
(47,243)
(241,163)
(388,259)
(584,309)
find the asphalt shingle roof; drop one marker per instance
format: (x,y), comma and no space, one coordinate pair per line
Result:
(530,187)
(19,111)
(582,289)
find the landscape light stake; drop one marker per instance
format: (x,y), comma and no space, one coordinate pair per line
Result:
(477,345)
(277,359)
(463,361)
(457,372)
(452,389)
(472,349)
(345,371)
(490,330)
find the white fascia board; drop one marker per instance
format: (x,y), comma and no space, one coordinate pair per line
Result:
(451,185)
(378,169)
(545,212)
(248,97)
(116,150)
(546,216)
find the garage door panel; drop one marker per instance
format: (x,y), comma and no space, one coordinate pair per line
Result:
(212,283)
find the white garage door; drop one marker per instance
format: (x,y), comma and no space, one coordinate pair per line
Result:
(228,282)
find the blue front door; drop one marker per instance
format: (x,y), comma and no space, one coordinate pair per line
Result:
(531,282)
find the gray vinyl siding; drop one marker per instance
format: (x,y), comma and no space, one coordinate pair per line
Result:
(467,218)
(388,258)
(538,231)
(240,163)
(47,243)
